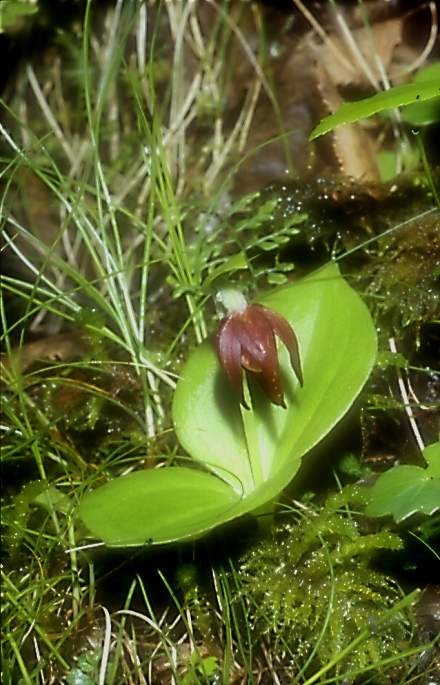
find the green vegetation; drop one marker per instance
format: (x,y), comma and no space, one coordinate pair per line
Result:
(312,584)
(250,455)
(122,145)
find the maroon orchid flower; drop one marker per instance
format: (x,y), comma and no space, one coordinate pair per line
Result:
(246,340)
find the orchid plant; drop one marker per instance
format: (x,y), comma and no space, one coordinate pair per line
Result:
(246,412)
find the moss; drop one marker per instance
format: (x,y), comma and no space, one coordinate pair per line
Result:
(18,514)
(194,599)
(403,273)
(397,267)
(292,576)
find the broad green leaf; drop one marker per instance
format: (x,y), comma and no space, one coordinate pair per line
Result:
(388,99)
(156,506)
(338,348)
(406,490)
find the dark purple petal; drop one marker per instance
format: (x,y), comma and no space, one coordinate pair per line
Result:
(269,378)
(259,354)
(284,331)
(252,332)
(246,340)
(229,354)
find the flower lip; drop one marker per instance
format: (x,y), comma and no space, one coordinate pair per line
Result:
(246,340)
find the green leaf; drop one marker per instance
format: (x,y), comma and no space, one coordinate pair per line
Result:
(406,490)
(431,73)
(350,465)
(387,358)
(388,99)
(78,677)
(12,10)
(235,263)
(428,112)
(268,245)
(275,278)
(263,214)
(208,665)
(156,506)
(247,470)
(422,113)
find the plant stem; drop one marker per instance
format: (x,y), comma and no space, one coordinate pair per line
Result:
(250,431)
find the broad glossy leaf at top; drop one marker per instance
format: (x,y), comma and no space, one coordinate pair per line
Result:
(337,341)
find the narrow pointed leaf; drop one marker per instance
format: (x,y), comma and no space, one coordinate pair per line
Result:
(388,99)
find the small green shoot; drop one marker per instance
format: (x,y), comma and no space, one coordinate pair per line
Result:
(87,671)
(204,667)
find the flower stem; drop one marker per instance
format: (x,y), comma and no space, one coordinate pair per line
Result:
(250,431)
